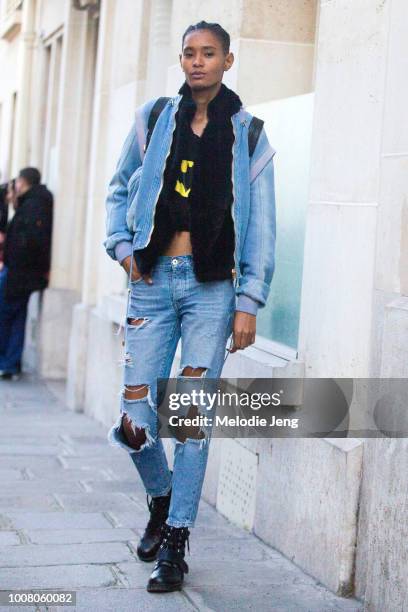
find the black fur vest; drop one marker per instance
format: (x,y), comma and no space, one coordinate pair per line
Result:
(212,229)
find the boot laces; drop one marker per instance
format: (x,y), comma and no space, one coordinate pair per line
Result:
(175,538)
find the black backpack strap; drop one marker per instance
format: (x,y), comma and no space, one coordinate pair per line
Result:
(154,115)
(254,131)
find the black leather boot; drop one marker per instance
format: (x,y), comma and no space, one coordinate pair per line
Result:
(151,539)
(170,567)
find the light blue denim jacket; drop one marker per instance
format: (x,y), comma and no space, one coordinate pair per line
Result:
(133,194)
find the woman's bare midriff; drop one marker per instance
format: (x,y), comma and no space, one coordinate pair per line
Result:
(179,245)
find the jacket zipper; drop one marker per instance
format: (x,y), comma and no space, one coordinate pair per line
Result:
(162,177)
(233,206)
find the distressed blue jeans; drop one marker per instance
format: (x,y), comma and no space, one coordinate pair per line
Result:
(175,306)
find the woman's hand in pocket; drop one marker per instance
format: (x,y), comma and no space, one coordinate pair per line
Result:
(135,272)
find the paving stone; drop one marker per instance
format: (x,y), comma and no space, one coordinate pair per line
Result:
(134,575)
(24,407)
(57,387)
(212,572)
(32,502)
(65,554)
(10,475)
(68,474)
(217,531)
(7,538)
(79,422)
(28,608)
(29,449)
(129,600)
(22,392)
(69,577)
(85,439)
(78,536)
(267,598)
(20,462)
(130,519)
(53,520)
(88,444)
(120,465)
(40,437)
(121,486)
(91,450)
(43,486)
(8,432)
(93,502)
(124,469)
(223,549)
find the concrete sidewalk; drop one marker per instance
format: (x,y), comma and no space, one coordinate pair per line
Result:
(72,509)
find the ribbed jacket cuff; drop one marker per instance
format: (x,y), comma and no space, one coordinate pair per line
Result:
(247,304)
(122,250)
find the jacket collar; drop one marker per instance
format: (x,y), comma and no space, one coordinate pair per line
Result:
(239,116)
(35,191)
(224,104)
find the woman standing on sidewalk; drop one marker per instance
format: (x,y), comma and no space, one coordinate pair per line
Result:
(198,216)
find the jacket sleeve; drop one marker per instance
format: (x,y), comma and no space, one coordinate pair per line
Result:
(118,242)
(3,210)
(258,250)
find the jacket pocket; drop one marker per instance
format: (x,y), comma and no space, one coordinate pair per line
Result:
(132,188)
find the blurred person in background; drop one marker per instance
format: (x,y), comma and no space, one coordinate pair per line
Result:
(26,263)
(11,195)
(3,208)
(3,219)
(8,198)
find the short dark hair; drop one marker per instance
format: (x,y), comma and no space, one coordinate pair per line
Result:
(215,28)
(31,175)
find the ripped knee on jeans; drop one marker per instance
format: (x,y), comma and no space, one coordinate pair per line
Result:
(135,436)
(190,371)
(137,322)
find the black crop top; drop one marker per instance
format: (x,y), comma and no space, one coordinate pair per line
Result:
(180,202)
